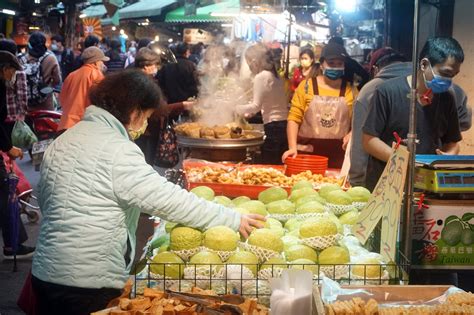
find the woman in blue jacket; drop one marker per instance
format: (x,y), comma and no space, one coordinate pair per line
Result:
(94,184)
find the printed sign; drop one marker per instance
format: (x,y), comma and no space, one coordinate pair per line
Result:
(92,26)
(443,234)
(196,35)
(385,204)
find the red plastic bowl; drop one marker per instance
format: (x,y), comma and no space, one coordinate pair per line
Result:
(290,171)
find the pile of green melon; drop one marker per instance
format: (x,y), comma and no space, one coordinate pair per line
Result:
(284,238)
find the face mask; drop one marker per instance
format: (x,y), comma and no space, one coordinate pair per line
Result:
(439,84)
(305,63)
(104,68)
(135,134)
(333,73)
(54,47)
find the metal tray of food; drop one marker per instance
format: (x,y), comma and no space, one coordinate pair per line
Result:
(238,143)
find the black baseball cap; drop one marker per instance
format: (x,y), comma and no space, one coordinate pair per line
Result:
(333,50)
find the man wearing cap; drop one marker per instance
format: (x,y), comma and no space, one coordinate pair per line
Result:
(319,121)
(74,96)
(16,90)
(9,65)
(385,63)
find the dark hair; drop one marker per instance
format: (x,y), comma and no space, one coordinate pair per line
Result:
(197,48)
(307,51)
(143,42)
(123,92)
(58,38)
(336,40)
(315,66)
(37,42)
(8,45)
(438,49)
(115,50)
(389,59)
(181,49)
(91,40)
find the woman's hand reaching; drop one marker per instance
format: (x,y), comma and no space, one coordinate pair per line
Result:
(250,221)
(290,153)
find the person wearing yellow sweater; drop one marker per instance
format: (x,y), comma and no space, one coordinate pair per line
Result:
(319,121)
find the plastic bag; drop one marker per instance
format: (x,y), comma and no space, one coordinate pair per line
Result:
(22,136)
(292,293)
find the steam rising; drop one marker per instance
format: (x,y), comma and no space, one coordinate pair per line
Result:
(223,86)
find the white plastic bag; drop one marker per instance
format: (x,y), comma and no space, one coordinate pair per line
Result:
(292,293)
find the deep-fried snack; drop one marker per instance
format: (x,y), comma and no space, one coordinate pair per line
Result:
(207,133)
(221,132)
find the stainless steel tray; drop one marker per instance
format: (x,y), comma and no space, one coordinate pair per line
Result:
(199,143)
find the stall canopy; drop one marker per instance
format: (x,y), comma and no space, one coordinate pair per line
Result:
(96,9)
(209,13)
(145,8)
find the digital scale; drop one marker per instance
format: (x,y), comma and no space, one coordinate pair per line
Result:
(445,173)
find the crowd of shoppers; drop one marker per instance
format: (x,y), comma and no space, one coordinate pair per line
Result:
(115,104)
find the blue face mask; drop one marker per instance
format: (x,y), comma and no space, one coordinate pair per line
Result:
(333,73)
(439,84)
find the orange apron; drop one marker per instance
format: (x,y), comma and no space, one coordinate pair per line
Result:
(325,123)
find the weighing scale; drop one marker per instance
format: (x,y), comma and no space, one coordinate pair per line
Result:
(443,230)
(442,174)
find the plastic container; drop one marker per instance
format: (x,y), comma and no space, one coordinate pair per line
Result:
(304,162)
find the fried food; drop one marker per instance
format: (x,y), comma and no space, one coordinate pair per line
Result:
(458,304)
(221,132)
(196,130)
(254,176)
(207,133)
(162,303)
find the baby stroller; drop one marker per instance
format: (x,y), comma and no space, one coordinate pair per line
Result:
(23,190)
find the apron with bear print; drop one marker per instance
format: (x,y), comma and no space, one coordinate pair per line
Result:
(325,123)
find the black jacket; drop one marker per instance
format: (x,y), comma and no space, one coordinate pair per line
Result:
(5,141)
(353,67)
(179,81)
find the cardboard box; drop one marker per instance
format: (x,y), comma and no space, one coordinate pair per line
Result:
(443,235)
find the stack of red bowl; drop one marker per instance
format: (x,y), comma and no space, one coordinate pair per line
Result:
(303,162)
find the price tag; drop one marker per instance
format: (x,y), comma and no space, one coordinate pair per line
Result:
(385,203)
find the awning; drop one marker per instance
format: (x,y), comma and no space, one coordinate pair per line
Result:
(209,13)
(95,10)
(144,8)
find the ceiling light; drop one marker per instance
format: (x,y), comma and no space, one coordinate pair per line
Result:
(9,12)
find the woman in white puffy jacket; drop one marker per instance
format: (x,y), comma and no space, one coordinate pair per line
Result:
(94,184)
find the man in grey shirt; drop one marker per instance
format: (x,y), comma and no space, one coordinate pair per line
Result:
(387,64)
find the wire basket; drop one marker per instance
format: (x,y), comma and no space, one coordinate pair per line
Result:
(249,280)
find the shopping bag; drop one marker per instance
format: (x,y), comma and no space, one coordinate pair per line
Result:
(27,299)
(22,135)
(167,151)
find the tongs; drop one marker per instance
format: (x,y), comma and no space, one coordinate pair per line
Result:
(203,302)
(202,299)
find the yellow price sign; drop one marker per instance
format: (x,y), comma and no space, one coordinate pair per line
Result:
(385,203)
